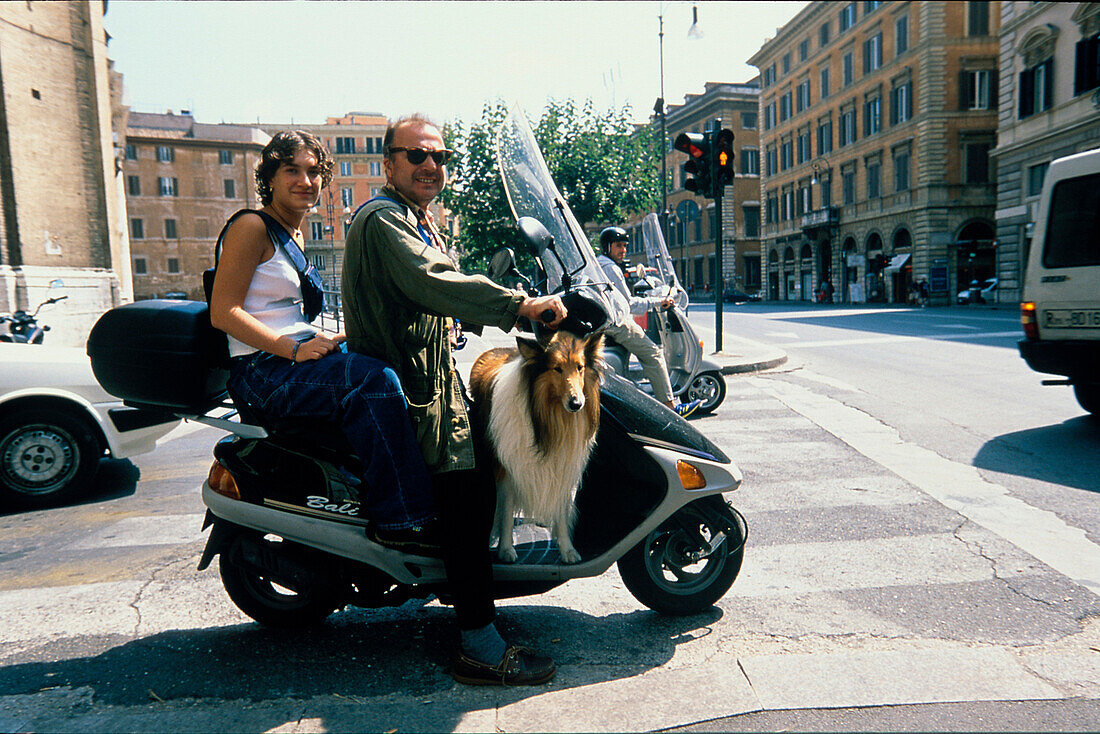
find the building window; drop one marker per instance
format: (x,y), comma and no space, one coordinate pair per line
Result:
(345,168)
(976,158)
(752,220)
(823,34)
(131,152)
(769,116)
(802,95)
(375,168)
(824,137)
(872,53)
(368,145)
(230,187)
(316,231)
(872,116)
(1087,68)
(805,197)
(133,185)
(901,170)
(901,103)
(771,210)
(849,67)
(901,35)
(785,106)
(786,63)
(786,154)
(137,229)
(1036,88)
(788,204)
(847,16)
(848,185)
(165,154)
(225,157)
(378,144)
(140,268)
(170,229)
(771,161)
(847,127)
(173,265)
(769,76)
(748,120)
(978,90)
(804,151)
(825,186)
(346,196)
(874,179)
(804,49)
(319,260)
(978,21)
(1035,176)
(167,186)
(345,145)
(870,6)
(750,161)
(824,82)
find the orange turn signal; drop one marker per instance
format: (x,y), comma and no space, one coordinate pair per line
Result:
(690,476)
(1028,320)
(222,482)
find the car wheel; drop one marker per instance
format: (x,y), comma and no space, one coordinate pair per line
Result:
(48,456)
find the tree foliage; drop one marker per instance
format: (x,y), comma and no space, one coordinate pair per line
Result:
(603,164)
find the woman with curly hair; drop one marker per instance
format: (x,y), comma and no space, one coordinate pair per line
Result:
(285,368)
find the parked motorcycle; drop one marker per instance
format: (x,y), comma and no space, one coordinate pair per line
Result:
(23,327)
(282,502)
(693,376)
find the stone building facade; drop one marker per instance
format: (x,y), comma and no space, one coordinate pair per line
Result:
(62,210)
(877,120)
(1049,108)
(691,219)
(183,179)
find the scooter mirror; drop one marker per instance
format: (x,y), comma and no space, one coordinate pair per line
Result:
(502,263)
(535,234)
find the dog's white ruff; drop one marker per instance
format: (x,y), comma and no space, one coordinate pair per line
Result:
(539,485)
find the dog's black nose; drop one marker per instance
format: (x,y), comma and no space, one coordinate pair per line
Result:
(574,404)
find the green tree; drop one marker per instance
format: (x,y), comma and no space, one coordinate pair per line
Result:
(604,166)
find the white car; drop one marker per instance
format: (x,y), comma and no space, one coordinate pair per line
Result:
(56,423)
(985,293)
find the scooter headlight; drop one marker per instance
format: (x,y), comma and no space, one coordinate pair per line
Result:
(690,475)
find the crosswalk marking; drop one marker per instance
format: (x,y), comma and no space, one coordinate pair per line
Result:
(146,530)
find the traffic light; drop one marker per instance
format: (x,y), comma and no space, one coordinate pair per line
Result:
(698,148)
(723,158)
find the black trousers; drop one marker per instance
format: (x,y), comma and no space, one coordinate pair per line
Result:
(465,502)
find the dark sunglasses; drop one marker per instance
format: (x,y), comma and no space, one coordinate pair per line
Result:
(417,156)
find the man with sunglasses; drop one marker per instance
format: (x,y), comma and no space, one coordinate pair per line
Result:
(400,292)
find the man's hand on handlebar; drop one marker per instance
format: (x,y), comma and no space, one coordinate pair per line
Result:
(667,302)
(548,309)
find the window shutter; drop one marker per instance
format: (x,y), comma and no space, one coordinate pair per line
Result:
(964,90)
(994,81)
(894,106)
(1081,66)
(1048,84)
(1026,89)
(909,101)
(866,56)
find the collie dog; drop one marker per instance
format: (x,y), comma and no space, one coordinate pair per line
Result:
(541,409)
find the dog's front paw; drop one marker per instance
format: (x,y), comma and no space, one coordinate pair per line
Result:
(508,555)
(569,555)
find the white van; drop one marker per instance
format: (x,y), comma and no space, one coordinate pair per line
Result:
(1060,311)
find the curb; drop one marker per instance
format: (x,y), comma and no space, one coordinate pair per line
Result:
(742,368)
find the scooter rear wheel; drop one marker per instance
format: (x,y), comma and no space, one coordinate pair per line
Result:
(265,600)
(665,572)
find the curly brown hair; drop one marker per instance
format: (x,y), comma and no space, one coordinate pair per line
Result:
(281,149)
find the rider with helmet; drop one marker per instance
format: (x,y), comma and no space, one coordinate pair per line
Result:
(613,242)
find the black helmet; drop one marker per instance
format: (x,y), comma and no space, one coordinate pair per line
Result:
(612,234)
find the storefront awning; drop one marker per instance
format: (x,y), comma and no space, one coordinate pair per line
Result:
(896,262)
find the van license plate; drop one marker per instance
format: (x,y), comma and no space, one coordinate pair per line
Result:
(1068,319)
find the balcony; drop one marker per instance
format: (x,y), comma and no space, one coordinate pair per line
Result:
(824,217)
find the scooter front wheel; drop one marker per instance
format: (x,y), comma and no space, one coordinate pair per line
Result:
(674,571)
(710,387)
(260,596)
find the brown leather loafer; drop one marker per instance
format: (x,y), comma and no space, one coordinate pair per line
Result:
(520,667)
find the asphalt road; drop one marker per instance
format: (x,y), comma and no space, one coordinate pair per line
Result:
(922,556)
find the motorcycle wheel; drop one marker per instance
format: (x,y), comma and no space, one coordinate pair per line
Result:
(662,571)
(47,457)
(710,387)
(269,603)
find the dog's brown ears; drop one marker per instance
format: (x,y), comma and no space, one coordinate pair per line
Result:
(593,349)
(528,348)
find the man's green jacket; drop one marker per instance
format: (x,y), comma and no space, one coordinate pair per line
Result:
(398,293)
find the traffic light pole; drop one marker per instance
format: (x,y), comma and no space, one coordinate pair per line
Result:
(718,284)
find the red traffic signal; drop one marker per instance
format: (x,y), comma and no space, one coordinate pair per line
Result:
(698,148)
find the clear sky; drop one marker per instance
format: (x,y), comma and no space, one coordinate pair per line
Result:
(293,61)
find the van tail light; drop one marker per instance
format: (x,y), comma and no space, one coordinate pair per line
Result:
(1029,320)
(222,482)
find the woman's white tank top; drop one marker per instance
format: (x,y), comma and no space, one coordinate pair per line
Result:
(275,298)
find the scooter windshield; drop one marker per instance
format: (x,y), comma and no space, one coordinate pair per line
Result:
(531,193)
(657,257)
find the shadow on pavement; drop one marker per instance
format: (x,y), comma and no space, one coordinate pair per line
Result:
(356,654)
(1066,453)
(114,479)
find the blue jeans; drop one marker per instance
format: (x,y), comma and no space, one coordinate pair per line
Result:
(362,396)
